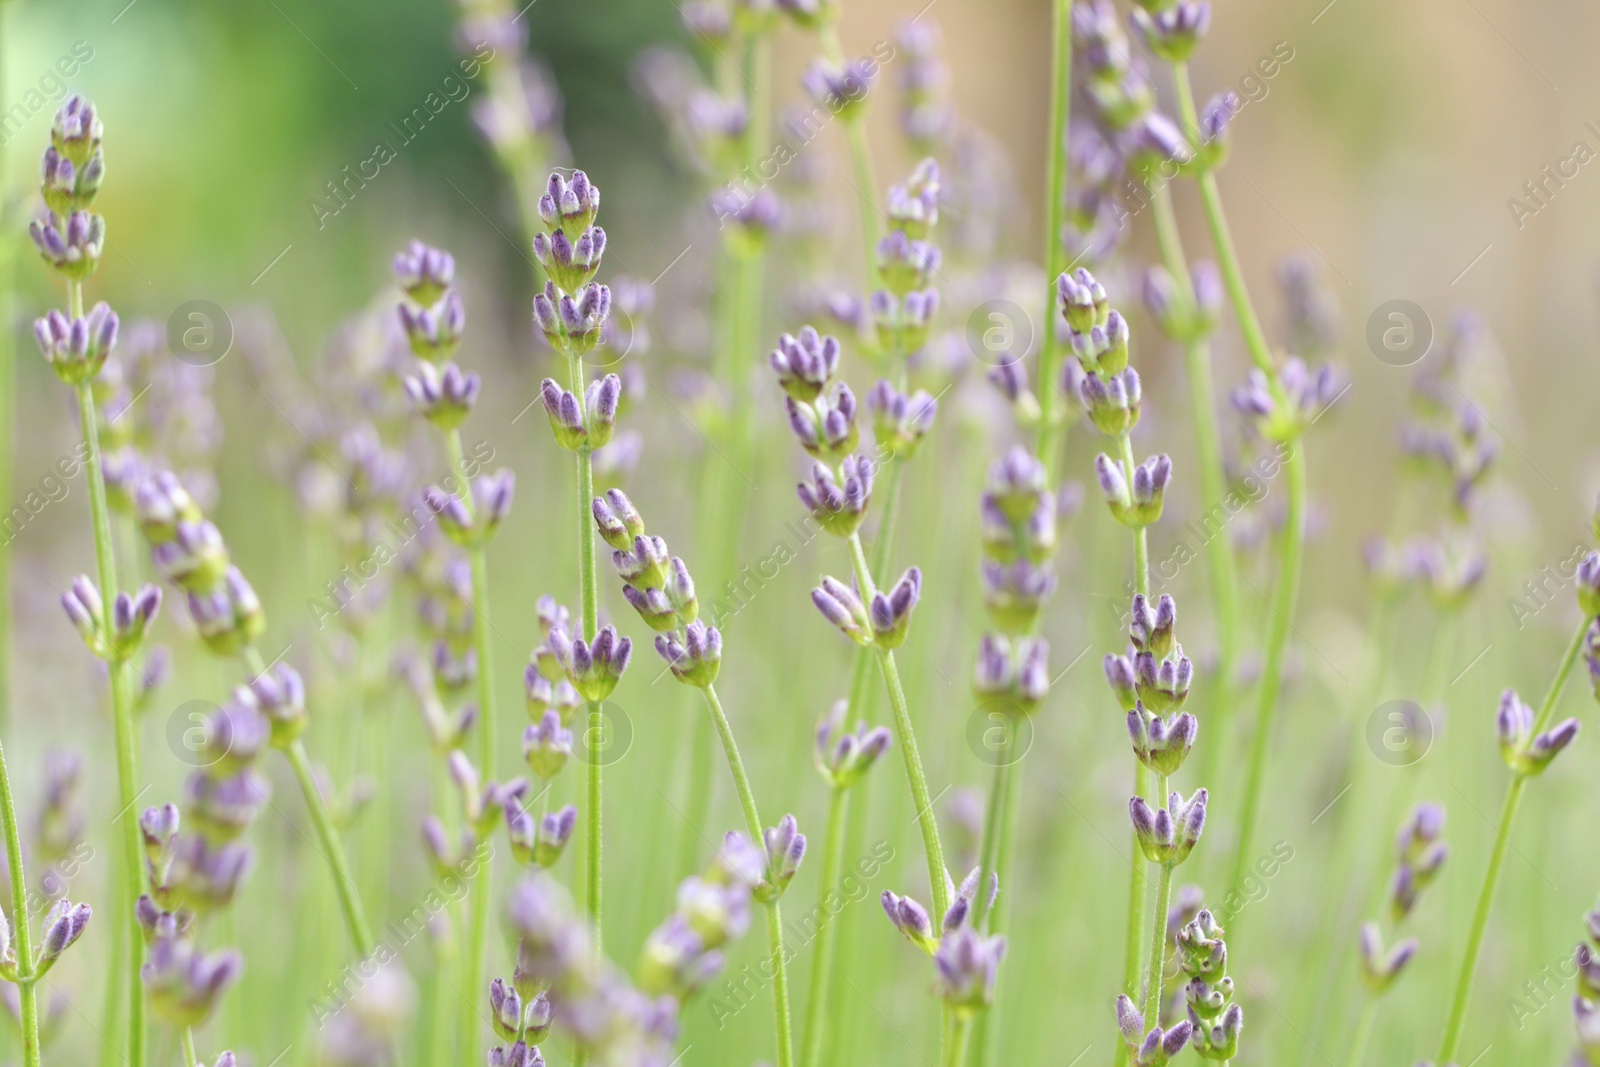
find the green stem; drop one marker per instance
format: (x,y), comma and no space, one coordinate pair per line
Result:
(121,701)
(752,818)
(955,1049)
(469,1034)
(866,180)
(355,919)
(811,1040)
(1497,858)
(111,1009)
(1213,478)
(988,851)
(1055,256)
(189,1056)
(26,990)
(1158,939)
(1291,551)
(1358,1045)
(594,767)
(919,782)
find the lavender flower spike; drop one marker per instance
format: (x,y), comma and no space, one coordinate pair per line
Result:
(843,757)
(185,984)
(890,612)
(911,919)
(1525,754)
(1169,834)
(63,926)
(1381,966)
(805,364)
(76,349)
(696,659)
(1155,1047)
(593,670)
(785,848)
(839,509)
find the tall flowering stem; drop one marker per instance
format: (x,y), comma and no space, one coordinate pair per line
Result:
(1527,743)
(70,239)
(469,509)
(572,312)
(27,992)
(659,587)
(1055,252)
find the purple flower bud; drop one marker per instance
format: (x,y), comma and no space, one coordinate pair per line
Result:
(1380,966)
(899,421)
(424,272)
(1173,33)
(842,757)
(71,243)
(909,917)
(838,87)
(64,925)
(695,659)
(805,364)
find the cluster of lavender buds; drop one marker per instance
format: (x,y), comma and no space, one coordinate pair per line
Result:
(1179,317)
(881,623)
(481,805)
(1586,1014)
(194,874)
(1216,1020)
(843,757)
(188,550)
(713,909)
(1108,392)
(966,961)
(1421,854)
(659,587)
(572,309)
(926,117)
(520,115)
(1151,682)
(113,635)
(903,310)
(70,237)
(1525,752)
(445,611)
(1167,835)
(1281,409)
(433,318)
(63,925)
(612,1022)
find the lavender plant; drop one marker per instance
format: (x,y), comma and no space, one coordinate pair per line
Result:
(71,239)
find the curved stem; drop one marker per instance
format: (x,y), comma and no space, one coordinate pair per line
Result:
(26,990)
(121,703)
(355,919)
(747,800)
(1055,256)
(832,858)
(1497,858)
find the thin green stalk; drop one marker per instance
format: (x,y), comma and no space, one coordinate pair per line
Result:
(752,818)
(26,990)
(909,752)
(989,848)
(1213,483)
(469,1034)
(111,1008)
(955,1049)
(1055,254)
(1358,1045)
(811,1039)
(121,700)
(595,766)
(986,1028)
(355,919)
(189,1056)
(1138,888)
(1291,552)
(860,157)
(1158,938)
(1497,858)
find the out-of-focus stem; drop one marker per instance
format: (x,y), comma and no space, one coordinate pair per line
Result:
(832,858)
(121,698)
(1213,482)
(1358,1044)
(866,181)
(1291,550)
(26,990)
(1497,858)
(747,800)
(1055,254)
(955,1049)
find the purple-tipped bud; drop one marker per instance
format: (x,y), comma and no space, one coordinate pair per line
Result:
(843,757)
(805,364)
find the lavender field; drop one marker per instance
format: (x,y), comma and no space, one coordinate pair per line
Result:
(814,533)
